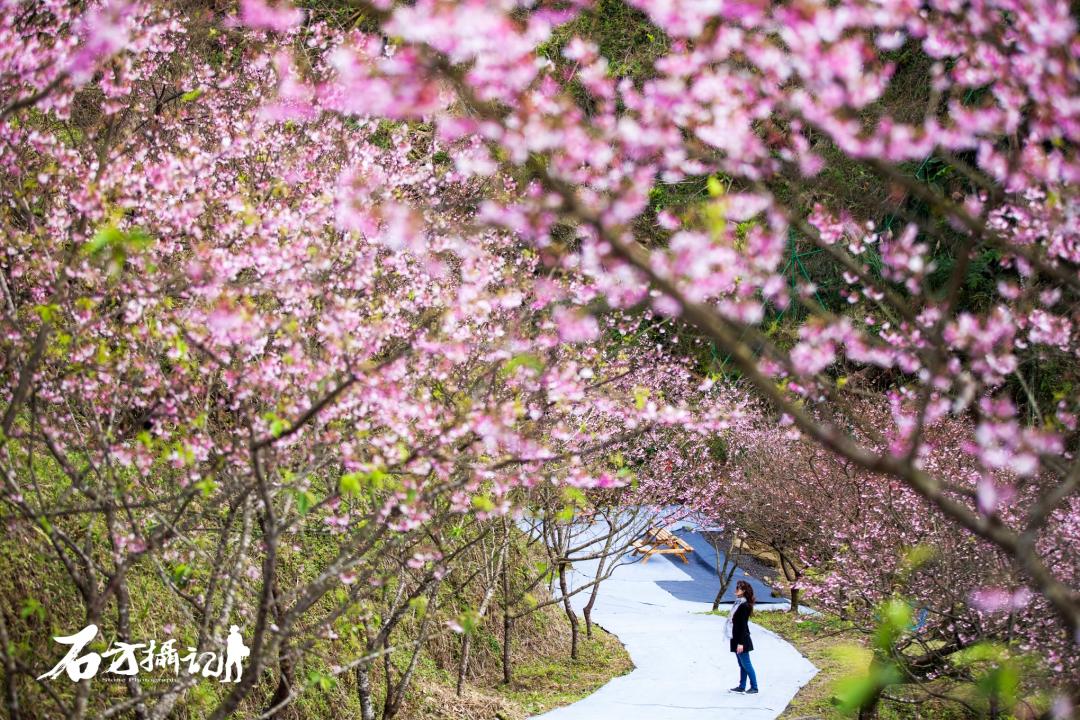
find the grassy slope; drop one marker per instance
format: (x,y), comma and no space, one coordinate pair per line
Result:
(38,602)
(542,681)
(545,683)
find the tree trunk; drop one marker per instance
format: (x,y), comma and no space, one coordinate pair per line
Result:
(11,694)
(570,614)
(724,571)
(123,613)
(82,688)
(286,666)
(463,665)
(466,640)
(725,583)
(587,610)
(792,575)
(123,604)
(286,682)
(395,698)
(869,711)
(507,623)
(363,692)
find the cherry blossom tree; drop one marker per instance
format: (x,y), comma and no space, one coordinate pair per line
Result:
(763,99)
(868,549)
(265,267)
(227,330)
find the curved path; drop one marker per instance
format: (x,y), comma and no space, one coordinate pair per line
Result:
(683,667)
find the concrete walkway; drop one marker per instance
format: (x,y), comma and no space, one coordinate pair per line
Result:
(683,666)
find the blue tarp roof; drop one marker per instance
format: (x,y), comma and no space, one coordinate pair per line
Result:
(702,583)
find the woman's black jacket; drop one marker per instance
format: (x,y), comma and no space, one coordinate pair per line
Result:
(740,628)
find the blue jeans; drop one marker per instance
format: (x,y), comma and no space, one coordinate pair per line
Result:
(746,670)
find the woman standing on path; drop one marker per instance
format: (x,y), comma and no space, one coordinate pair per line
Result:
(737,628)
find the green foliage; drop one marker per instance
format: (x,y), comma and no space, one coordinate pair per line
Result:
(113,246)
(718,448)
(32,608)
(469,621)
(483,503)
(527,360)
(383,135)
(994,671)
(206,487)
(859,691)
(357,484)
(180,574)
(305,498)
(894,619)
(110,237)
(321,680)
(419,606)
(575,496)
(915,558)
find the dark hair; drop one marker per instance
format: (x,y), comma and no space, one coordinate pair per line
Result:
(747,593)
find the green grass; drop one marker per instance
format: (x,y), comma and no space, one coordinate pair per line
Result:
(623,35)
(832,645)
(835,648)
(544,683)
(841,652)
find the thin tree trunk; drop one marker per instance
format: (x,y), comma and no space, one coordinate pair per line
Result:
(570,614)
(123,626)
(363,692)
(587,610)
(869,711)
(286,682)
(11,695)
(466,640)
(264,643)
(792,575)
(286,666)
(724,571)
(388,676)
(507,625)
(725,583)
(82,688)
(395,695)
(463,664)
(123,611)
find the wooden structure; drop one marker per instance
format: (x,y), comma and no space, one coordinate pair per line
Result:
(658,541)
